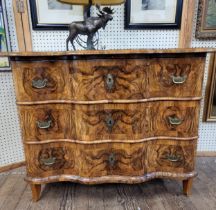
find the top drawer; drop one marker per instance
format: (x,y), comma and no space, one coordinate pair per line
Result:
(41,80)
(176,77)
(109,79)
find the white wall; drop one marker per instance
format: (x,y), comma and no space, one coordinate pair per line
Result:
(114,37)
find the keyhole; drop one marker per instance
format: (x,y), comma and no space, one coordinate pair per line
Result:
(112,159)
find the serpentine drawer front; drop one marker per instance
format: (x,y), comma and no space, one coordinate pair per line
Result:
(97,117)
(110,122)
(104,160)
(102,79)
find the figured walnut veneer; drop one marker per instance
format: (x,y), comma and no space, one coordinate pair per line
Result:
(109,116)
(91,123)
(108,159)
(86,80)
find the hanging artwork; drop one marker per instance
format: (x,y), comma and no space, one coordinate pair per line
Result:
(210,95)
(54,15)
(4,62)
(142,14)
(206,20)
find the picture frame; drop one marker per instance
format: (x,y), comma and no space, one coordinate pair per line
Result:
(53,15)
(210,94)
(206,20)
(155,14)
(4,41)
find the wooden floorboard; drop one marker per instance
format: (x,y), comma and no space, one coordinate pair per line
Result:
(158,194)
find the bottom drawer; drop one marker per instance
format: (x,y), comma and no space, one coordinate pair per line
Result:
(170,156)
(108,159)
(85,160)
(51,159)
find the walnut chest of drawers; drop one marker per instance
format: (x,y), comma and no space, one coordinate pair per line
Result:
(124,116)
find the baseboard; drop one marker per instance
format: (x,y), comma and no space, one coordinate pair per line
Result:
(11,166)
(206,154)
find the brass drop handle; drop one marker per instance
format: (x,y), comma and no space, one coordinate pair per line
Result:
(49,161)
(110,82)
(44,124)
(173,158)
(112,159)
(175,121)
(39,83)
(179,79)
(110,123)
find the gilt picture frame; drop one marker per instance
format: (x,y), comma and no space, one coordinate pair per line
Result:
(53,15)
(153,14)
(210,95)
(206,20)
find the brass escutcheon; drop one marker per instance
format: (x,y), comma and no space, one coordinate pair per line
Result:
(109,82)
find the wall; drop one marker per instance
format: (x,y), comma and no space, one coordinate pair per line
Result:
(114,37)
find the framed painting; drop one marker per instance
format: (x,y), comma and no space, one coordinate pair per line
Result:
(155,14)
(54,15)
(210,95)
(206,20)
(4,42)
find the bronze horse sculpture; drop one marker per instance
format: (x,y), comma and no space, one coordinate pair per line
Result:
(89,27)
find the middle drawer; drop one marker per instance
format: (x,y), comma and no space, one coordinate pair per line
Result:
(125,122)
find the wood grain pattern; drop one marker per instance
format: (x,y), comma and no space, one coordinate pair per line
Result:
(186,112)
(53,73)
(169,157)
(19,27)
(89,79)
(90,162)
(112,121)
(61,118)
(22,27)
(109,121)
(85,160)
(112,159)
(130,79)
(26,27)
(51,159)
(162,71)
(185,35)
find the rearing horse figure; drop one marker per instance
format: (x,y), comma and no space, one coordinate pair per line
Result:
(89,27)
